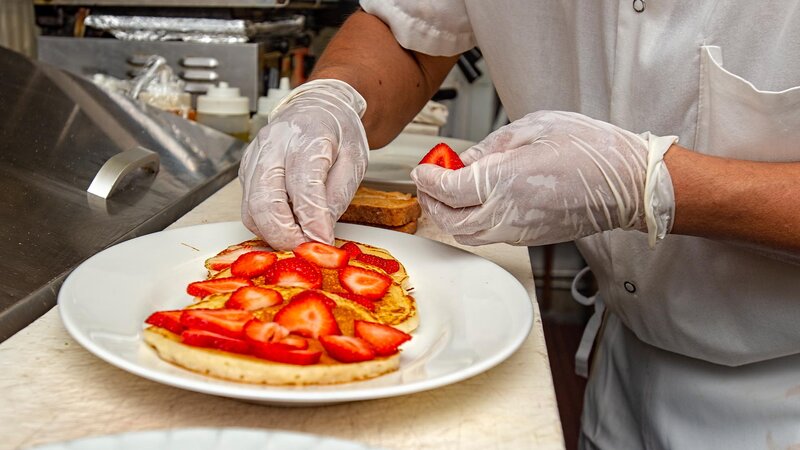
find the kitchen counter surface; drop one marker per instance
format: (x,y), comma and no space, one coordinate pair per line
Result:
(51,389)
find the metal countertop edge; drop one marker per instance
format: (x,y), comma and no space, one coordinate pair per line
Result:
(27,310)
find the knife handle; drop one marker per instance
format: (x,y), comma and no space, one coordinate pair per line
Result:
(118,166)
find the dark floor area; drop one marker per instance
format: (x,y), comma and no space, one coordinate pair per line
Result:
(562,341)
(563,321)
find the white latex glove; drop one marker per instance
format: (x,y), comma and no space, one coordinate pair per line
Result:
(551,177)
(301,171)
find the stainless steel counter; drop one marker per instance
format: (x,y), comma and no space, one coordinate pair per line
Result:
(56,131)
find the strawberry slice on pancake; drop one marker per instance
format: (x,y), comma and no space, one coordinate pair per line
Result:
(364,282)
(322,255)
(310,316)
(252,298)
(216,286)
(294,272)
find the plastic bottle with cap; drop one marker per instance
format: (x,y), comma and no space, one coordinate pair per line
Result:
(226,110)
(267,104)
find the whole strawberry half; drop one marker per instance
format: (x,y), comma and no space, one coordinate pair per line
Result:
(216,286)
(253,264)
(322,255)
(364,282)
(347,349)
(294,271)
(383,338)
(442,155)
(310,316)
(251,298)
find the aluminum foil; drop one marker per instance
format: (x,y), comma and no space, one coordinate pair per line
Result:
(190,29)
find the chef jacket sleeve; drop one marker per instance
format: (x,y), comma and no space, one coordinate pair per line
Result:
(438,28)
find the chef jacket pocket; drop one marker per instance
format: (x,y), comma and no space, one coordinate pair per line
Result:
(737,120)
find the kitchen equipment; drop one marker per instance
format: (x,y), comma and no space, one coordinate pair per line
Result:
(70,159)
(266,104)
(200,65)
(223,109)
(473,313)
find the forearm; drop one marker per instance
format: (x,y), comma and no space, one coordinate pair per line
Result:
(752,203)
(395,82)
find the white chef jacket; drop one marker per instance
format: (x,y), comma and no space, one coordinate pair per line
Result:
(702,345)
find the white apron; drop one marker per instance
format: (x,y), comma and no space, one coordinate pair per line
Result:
(701,343)
(739,384)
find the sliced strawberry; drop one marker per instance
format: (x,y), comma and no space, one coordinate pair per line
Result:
(317,295)
(442,155)
(283,353)
(295,342)
(309,317)
(208,339)
(360,299)
(347,349)
(322,255)
(388,265)
(352,249)
(365,282)
(168,320)
(216,286)
(251,298)
(228,322)
(225,258)
(253,264)
(294,272)
(258,331)
(383,338)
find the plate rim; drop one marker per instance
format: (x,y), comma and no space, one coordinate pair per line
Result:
(275,394)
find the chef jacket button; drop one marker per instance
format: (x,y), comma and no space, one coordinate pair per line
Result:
(630,287)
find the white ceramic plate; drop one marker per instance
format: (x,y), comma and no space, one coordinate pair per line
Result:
(473,314)
(207,439)
(390,166)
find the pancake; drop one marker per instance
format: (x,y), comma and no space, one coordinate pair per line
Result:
(394,310)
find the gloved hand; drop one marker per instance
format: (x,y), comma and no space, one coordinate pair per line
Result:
(301,171)
(551,177)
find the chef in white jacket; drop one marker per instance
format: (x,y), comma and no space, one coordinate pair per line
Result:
(662,136)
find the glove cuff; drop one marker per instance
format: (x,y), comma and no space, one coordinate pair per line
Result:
(659,197)
(329,87)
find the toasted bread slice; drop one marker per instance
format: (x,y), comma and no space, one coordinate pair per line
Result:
(389,209)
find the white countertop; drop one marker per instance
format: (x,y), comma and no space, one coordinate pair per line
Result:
(51,389)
